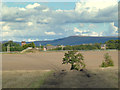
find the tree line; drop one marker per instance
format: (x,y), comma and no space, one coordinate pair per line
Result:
(111,44)
(15,46)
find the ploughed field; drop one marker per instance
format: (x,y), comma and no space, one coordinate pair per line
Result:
(52,60)
(28,66)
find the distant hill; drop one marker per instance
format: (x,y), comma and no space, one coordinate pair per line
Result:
(73,40)
(76,40)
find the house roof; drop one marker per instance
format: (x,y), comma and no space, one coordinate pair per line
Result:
(103,45)
(51,47)
(23,42)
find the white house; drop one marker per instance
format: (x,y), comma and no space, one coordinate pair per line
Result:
(103,46)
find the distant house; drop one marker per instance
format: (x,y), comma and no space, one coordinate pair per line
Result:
(51,47)
(29,48)
(37,48)
(62,46)
(85,44)
(23,43)
(90,44)
(103,46)
(54,47)
(44,49)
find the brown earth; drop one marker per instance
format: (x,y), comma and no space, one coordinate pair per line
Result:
(99,77)
(52,60)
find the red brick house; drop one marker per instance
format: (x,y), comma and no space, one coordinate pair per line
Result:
(23,43)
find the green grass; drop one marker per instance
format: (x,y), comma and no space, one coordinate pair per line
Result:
(11,53)
(24,79)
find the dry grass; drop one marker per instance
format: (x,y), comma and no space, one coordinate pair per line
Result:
(24,79)
(100,78)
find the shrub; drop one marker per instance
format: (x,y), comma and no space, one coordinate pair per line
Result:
(108,61)
(75,59)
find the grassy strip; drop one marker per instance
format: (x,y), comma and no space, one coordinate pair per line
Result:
(40,80)
(24,79)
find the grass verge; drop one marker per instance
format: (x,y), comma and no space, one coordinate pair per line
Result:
(24,79)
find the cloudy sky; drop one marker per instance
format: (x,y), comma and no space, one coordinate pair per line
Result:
(31,21)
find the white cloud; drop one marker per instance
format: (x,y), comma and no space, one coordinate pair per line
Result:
(46,10)
(59,10)
(112,30)
(92,26)
(22,9)
(2,23)
(97,10)
(31,40)
(94,5)
(29,23)
(50,33)
(5,28)
(81,25)
(5,34)
(77,30)
(94,34)
(86,32)
(47,39)
(19,19)
(83,12)
(113,27)
(34,20)
(46,20)
(60,34)
(33,6)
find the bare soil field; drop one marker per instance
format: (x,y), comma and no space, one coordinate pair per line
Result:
(16,66)
(52,60)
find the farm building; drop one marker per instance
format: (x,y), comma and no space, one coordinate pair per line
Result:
(51,47)
(103,46)
(23,43)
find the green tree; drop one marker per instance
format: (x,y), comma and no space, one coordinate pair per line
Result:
(97,45)
(13,46)
(48,45)
(58,48)
(29,45)
(108,61)
(111,44)
(41,47)
(68,48)
(33,45)
(11,43)
(4,48)
(75,59)
(25,46)
(16,48)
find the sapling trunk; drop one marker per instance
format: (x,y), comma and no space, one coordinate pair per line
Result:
(72,67)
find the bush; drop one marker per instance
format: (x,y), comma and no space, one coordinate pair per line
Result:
(29,45)
(108,61)
(75,59)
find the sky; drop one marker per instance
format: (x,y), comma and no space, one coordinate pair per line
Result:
(36,21)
